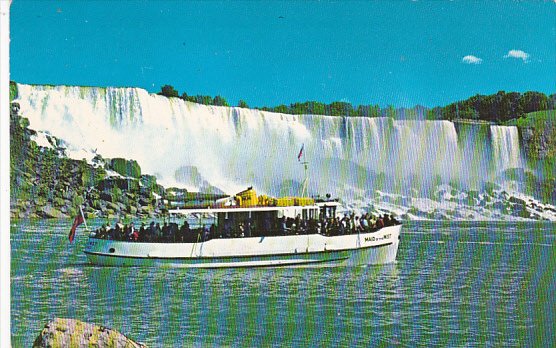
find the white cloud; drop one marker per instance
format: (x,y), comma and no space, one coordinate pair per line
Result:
(518,54)
(470,59)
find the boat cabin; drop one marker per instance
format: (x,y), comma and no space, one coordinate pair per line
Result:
(260,221)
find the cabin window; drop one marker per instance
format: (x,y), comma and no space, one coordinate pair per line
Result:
(313,214)
(328,212)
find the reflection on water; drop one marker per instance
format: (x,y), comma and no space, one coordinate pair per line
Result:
(453,284)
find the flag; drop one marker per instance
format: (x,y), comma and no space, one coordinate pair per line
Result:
(300,153)
(76,222)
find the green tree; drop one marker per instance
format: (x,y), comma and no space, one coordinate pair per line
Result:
(283,109)
(168,91)
(551,102)
(13,90)
(534,101)
(341,109)
(391,111)
(242,104)
(219,101)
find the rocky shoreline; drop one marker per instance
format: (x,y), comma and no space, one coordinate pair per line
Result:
(47,184)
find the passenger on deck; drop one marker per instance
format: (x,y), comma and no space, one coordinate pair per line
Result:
(290,222)
(150,233)
(297,224)
(364,223)
(394,221)
(312,226)
(116,231)
(165,233)
(302,226)
(247,230)
(344,224)
(124,232)
(184,231)
(266,226)
(372,222)
(174,232)
(131,229)
(110,233)
(386,220)
(227,228)
(380,222)
(357,225)
(322,227)
(157,233)
(282,225)
(134,235)
(142,233)
(352,223)
(102,232)
(334,227)
(206,233)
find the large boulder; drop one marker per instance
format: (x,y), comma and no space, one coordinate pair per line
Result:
(48,211)
(74,333)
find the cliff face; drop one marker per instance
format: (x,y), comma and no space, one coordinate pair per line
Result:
(538,138)
(47,184)
(539,143)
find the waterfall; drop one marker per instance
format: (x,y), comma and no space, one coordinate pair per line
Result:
(232,148)
(505,147)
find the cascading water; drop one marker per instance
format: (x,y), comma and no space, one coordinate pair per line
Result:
(232,148)
(505,147)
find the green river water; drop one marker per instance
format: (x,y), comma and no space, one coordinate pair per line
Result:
(454,284)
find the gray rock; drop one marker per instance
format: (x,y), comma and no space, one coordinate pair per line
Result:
(537,143)
(48,211)
(113,206)
(74,333)
(144,201)
(517,201)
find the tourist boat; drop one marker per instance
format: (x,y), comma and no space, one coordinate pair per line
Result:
(260,246)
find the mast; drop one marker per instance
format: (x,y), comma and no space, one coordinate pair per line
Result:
(304,184)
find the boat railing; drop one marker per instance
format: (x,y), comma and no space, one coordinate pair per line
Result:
(203,234)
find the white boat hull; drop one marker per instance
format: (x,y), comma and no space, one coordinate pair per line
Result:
(379,247)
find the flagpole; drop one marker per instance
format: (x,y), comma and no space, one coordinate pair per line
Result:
(304,188)
(83,216)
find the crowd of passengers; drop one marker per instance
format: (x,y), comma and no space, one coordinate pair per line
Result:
(174,233)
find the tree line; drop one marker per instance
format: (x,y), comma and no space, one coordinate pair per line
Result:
(497,107)
(170,92)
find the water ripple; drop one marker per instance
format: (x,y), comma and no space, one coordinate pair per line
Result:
(452,285)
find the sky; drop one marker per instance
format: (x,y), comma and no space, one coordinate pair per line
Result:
(400,53)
